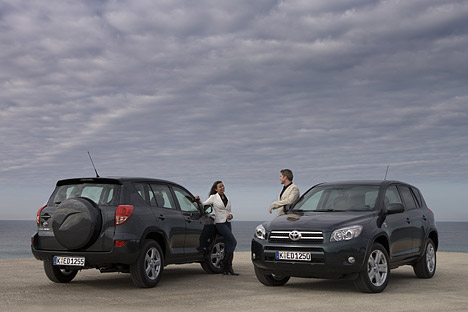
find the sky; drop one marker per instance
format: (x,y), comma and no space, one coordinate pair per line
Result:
(198,91)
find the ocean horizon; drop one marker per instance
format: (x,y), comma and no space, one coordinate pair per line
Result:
(15,236)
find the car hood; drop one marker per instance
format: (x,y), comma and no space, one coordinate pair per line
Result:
(319,221)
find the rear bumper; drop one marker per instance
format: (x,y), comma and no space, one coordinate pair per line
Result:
(329,260)
(126,254)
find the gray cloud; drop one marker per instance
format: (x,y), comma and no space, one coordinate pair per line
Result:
(195,90)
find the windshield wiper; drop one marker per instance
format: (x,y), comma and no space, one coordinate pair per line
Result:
(329,210)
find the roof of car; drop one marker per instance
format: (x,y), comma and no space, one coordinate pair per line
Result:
(110,179)
(363,182)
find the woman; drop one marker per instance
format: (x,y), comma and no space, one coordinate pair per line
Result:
(222,208)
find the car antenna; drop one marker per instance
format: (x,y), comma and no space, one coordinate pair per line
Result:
(97,175)
(386,173)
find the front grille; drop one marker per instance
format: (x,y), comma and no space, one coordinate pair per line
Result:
(315,237)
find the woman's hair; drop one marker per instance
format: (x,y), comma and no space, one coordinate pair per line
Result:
(214,186)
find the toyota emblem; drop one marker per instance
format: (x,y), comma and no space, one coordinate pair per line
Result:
(295,235)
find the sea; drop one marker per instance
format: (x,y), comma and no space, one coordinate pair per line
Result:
(15,237)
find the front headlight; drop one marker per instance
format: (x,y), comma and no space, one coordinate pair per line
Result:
(346,233)
(260,232)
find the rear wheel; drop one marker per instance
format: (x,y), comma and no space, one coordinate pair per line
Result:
(376,272)
(270,279)
(58,274)
(147,270)
(212,262)
(426,266)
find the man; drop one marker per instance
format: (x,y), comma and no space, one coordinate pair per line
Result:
(289,195)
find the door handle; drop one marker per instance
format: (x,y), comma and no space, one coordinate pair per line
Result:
(188,217)
(161,217)
(408,220)
(424,218)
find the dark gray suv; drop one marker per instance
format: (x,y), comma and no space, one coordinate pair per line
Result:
(121,224)
(357,230)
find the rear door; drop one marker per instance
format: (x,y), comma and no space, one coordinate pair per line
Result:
(104,195)
(170,219)
(415,214)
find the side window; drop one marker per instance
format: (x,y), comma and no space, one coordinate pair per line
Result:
(408,198)
(417,195)
(392,196)
(161,196)
(185,200)
(141,196)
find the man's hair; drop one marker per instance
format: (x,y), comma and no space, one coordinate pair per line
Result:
(287,173)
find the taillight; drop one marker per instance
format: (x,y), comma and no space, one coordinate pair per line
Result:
(430,211)
(38,217)
(119,243)
(122,213)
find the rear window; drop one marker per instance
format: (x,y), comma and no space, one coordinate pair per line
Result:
(101,194)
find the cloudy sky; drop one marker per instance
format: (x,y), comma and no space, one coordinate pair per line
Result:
(195,91)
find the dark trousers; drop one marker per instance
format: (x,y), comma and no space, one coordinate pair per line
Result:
(225,230)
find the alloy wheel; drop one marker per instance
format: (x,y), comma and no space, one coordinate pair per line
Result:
(152,263)
(377,268)
(430,258)
(217,254)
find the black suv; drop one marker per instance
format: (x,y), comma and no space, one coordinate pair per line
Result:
(131,225)
(357,230)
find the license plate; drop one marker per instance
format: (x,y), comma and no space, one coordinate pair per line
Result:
(72,261)
(293,255)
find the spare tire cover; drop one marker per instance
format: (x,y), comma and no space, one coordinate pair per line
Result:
(77,223)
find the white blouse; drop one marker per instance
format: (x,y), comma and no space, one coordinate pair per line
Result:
(221,211)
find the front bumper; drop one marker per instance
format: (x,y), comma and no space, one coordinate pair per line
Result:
(329,259)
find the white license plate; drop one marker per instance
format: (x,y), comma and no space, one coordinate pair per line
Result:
(72,261)
(293,255)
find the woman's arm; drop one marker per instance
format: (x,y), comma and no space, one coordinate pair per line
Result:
(209,201)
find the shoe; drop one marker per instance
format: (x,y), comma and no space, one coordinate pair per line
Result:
(229,269)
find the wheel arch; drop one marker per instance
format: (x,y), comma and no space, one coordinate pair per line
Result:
(383,240)
(435,238)
(156,235)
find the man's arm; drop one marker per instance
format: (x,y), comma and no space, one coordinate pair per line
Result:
(291,198)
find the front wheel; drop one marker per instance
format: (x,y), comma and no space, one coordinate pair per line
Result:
(376,272)
(147,270)
(58,274)
(212,262)
(426,266)
(270,279)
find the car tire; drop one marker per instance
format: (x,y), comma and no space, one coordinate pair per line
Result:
(212,262)
(148,268)
(58,274)
(376,271)
(270,279)
(77,223)
(426,265)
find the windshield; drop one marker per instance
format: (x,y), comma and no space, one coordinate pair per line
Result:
(339,198)
(101,194)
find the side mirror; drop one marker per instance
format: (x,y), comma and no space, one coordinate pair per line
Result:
(395,208)
(207,209)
